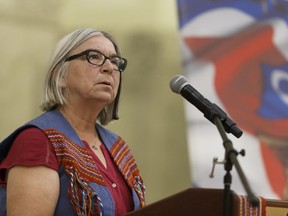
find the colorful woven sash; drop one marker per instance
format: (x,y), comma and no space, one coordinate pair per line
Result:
(246,209)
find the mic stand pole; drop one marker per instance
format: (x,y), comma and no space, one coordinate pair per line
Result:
(230,160)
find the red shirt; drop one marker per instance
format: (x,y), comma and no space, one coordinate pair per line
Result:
(117,186)
(32,148)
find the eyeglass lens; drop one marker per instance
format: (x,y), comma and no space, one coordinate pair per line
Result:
(99,58)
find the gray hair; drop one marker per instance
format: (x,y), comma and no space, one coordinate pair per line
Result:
(54,94)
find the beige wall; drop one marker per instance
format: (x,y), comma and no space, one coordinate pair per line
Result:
(152,119)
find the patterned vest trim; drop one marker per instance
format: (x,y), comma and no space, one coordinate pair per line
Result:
(78,172)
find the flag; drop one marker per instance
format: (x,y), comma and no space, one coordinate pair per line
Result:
(235,53)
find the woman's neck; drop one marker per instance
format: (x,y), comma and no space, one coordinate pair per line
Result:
(82,121)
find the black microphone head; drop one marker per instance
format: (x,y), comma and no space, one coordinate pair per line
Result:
(177,83)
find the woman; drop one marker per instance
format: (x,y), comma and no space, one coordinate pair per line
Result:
(63,162)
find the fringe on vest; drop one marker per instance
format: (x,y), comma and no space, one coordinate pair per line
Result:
(81,169)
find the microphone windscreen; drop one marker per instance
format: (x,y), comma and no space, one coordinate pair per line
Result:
(177,83)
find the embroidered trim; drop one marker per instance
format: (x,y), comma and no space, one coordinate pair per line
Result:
(70,154)
(81,169)
(127,165)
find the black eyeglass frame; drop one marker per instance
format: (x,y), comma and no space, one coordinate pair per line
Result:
(86,53)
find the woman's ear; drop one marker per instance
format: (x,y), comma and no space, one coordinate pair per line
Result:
(63,82)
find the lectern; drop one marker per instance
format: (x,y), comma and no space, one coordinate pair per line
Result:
(207,202)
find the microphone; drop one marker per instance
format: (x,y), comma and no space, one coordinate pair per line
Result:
(179,85)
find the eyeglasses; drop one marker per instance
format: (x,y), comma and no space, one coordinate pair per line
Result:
(95,57)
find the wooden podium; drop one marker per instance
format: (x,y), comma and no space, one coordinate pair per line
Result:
(204,202)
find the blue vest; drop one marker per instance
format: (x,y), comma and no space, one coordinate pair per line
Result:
(65,141)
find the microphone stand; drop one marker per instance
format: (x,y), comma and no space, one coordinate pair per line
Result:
(230,160)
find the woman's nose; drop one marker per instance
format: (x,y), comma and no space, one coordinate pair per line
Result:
(108,66)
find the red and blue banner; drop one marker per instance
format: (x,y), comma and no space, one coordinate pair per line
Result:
(235,53)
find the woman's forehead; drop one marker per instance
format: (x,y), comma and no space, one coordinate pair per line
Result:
(99,42)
